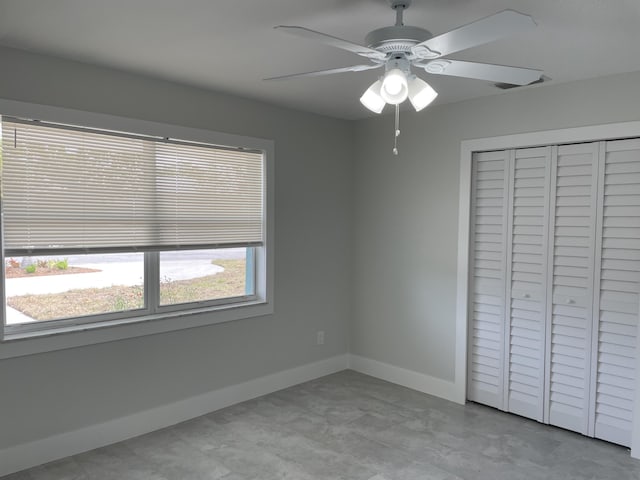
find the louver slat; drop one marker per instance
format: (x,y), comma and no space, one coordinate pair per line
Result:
(571,284)
(487,289)
(529,220)
(619,293)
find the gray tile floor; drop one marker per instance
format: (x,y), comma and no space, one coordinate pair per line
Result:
(350,426)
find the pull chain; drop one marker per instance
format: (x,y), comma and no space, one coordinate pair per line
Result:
(397,130)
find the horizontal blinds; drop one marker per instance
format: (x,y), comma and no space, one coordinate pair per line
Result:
(69,189)
(206,193)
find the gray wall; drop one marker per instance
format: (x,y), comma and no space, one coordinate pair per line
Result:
(376,251)
(60,391)
(406,210)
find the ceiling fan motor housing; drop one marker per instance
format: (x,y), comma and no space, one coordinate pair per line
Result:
(396,39)
(398,62)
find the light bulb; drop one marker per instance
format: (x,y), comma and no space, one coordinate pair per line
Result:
(394,87)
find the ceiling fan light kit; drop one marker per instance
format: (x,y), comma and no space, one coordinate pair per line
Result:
(394,89)
(398,48)
(372,99)
(421,94)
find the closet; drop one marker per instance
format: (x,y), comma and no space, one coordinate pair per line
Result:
(554,284)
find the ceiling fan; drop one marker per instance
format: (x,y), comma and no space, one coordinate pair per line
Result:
(400,47)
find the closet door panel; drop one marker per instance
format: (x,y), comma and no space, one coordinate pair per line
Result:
(617,306)
(555,285)
(570,285)
(487,283)
(528,214)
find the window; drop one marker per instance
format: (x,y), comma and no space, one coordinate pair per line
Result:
(102,227)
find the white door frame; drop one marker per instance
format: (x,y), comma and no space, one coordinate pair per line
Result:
(520,140)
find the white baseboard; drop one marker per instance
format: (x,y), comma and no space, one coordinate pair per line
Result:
(34,453)
(407,378)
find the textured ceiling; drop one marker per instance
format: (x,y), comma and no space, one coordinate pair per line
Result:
(230,46)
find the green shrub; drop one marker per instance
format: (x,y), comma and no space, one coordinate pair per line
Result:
(30,268)
(62,264)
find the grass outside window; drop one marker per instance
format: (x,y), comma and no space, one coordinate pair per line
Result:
(228,283)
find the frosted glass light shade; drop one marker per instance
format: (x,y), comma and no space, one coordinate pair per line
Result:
(394,87)
(372,99)
(420,93)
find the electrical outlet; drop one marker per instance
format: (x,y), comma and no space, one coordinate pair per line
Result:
(320,337)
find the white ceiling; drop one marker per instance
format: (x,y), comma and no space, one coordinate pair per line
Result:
(230,46)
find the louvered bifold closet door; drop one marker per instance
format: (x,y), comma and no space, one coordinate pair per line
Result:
(570,287)
(487,281)
(618,282)
(525,335)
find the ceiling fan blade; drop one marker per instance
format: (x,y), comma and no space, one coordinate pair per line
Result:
(333,41)
(318,73)
(482,31)
(483,71)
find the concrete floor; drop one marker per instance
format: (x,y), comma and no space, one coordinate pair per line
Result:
(350,426)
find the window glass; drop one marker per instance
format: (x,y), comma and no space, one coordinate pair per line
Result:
(56,287)
(201,275)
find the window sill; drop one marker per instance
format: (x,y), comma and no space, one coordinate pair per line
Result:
(29,343)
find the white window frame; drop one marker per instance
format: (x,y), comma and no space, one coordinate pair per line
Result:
(25,341)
